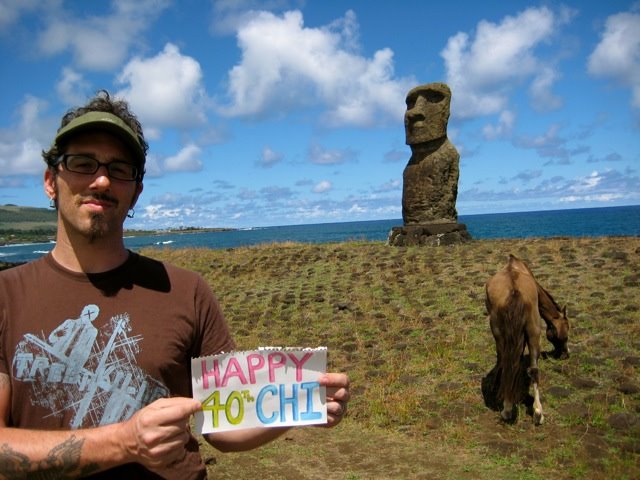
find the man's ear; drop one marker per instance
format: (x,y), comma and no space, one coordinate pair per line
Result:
(136,195)
(50,184)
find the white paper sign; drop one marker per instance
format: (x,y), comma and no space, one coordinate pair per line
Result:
(269,387)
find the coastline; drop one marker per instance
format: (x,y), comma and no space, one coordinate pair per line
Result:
(28,238)
(601,222)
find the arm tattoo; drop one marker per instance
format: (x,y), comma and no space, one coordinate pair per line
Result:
(62,462)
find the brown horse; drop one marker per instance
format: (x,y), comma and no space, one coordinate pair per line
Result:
(516,302)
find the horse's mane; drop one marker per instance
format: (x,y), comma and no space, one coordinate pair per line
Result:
(555,304)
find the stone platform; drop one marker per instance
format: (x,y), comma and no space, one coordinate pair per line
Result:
(432,234)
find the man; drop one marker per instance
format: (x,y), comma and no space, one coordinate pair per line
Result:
(96,340)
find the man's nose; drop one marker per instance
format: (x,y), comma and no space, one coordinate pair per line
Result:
(101,177)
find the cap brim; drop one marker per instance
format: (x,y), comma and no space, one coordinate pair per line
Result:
(103,121)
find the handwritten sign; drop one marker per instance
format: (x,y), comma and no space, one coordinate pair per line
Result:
(268,387)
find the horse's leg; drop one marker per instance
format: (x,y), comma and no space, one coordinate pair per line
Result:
(507,403)
(507,412)
(533,342)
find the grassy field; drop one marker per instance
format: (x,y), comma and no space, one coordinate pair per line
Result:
(409,326)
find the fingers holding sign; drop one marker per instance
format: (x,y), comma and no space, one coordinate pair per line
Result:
(157,434)
(338,395)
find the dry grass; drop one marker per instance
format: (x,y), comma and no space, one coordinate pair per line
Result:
(409,326)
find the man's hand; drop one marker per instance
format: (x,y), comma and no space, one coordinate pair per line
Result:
(337,396)
(156,435)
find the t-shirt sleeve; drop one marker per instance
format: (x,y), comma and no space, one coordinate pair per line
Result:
(215,336)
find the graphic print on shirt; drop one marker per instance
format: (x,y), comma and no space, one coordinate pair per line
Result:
(94,374)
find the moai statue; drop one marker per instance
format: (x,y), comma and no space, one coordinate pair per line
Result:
(430,179)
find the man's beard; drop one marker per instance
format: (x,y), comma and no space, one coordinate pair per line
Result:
(101,224)
(100,227)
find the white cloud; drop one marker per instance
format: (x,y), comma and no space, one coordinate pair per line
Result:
(551,144)
(72,87)
(483,70)
(390,186)
(355,209)
(528,175)
(587,183)
(602,186)
(617,56)
(542,98)
(11,10)
(186,160)
(397,155)
(153,168)
(22,157)
(165,90)
(100,42)
(269,157)
(322,187)
(229,15)
(156,212)
(502,129)
(323,156)
(275,193)
(605,197)
(287,66)
(21,145)
(173,210)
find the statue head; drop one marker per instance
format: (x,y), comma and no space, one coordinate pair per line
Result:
(427,113)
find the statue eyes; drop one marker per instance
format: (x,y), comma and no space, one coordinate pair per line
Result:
(431,96)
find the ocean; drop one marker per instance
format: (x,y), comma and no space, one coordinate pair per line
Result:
(586,222)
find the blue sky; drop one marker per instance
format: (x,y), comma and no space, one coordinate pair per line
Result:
(283,112)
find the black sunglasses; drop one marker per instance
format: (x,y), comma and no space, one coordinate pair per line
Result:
(87,165)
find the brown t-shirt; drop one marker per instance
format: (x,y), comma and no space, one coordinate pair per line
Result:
(84,350)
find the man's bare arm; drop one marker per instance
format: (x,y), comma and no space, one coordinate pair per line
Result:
(154,437)
(62,461)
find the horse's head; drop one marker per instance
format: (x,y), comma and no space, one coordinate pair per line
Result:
(558,332)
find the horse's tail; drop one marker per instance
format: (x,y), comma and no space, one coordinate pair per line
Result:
(512,321)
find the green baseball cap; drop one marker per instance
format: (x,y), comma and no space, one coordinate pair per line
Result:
(104,121)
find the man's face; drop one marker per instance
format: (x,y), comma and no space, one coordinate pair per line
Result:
(427,114)
(94,206)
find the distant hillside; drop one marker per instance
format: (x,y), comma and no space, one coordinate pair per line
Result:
(26,224)
(27,218)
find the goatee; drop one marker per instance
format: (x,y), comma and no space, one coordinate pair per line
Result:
(99,227)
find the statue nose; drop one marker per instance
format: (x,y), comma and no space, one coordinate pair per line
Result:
(418,105)
(415,115)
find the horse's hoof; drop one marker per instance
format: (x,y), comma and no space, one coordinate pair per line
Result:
(538,418)
(509,416)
